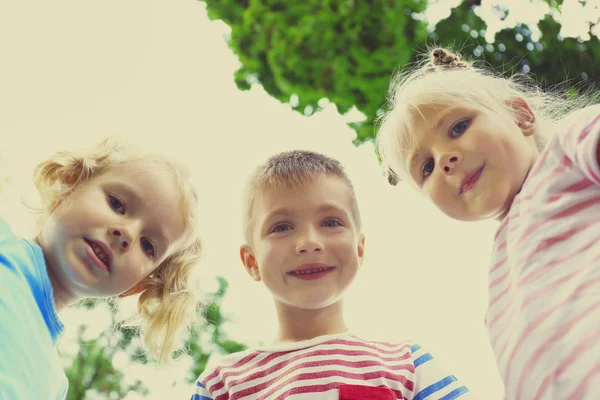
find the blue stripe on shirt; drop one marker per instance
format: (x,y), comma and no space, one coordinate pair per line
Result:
(200,397)
(435,387)
(415,347)
(423,359)
(455,393)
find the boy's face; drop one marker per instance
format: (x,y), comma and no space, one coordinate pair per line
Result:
(114,230)
(306,246)
(472,162)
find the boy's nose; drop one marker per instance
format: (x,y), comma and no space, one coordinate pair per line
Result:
(308,245)
(307,249)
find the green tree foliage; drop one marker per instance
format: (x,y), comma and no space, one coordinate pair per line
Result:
(217,340)
(92,372)
(347,50)
(92,369)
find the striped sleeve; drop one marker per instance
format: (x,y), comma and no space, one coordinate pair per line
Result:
(201,392)
(581,140)
(432,381)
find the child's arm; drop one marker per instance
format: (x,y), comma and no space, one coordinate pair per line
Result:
(432,381)
(581,141)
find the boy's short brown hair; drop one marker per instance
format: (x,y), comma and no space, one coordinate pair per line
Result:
(293,169)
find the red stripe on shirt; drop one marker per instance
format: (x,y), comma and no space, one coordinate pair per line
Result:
(540,319)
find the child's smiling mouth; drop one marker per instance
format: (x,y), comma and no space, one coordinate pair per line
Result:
(311,271)
(99,253)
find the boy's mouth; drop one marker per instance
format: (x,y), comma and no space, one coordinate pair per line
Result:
(311,271)
(100,253)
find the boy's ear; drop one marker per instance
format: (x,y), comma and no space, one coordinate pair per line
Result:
(249,262)
(361,248)
(524,116)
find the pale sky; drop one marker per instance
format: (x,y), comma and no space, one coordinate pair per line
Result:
(160,74)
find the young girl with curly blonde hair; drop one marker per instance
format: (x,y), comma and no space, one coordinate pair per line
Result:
(116,221)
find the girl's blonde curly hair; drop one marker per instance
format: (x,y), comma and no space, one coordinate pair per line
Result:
(443,78)
(167,305)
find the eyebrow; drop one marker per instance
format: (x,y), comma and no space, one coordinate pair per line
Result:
(331,207)
(278,212)
(321,210)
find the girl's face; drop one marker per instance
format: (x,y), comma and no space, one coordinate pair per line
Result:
(114,230)
(470,162)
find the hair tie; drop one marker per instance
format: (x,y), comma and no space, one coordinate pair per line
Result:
(445,59)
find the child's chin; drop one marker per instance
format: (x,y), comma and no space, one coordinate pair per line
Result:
(317,304)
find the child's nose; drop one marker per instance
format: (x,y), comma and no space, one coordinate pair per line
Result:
(308,248)
(122,237)
(308,244)
(448,162)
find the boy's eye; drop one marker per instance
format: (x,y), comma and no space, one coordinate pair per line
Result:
(427,168)
(332,223)
(459,128)
(116,204)
(148,247)
(281,228)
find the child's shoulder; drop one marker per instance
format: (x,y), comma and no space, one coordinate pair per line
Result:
(589,110)
(581,116)
(19,254)
(218,361)
(386,346)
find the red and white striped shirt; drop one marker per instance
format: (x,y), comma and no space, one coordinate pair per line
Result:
(544,281)
(329,367)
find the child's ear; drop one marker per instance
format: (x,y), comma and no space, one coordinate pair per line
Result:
(249,262)
(361,248)
(524,116)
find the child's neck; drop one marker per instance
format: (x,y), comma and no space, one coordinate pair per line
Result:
(297,324)
(61,296)
(511,198)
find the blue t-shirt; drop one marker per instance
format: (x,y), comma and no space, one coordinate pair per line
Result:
(30,367)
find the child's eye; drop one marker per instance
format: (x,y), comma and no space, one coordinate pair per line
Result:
(116,204)
(427,168)
(281,228)
(148,247)
(459,128)
(332,223)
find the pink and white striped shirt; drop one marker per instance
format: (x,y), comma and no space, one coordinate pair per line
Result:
(329,367)
(544,281)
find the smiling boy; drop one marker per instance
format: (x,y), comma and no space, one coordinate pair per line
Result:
(304,243)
